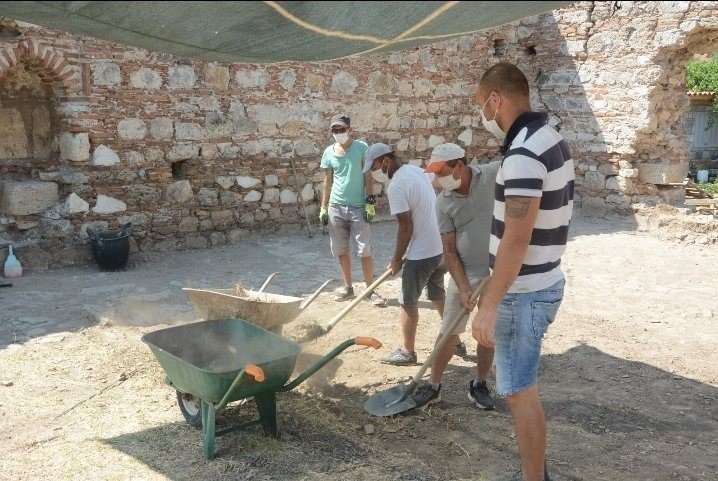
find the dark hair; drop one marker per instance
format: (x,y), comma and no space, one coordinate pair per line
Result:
(505,78)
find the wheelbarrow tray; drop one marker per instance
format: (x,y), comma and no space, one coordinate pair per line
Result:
(204,358)
(269,311)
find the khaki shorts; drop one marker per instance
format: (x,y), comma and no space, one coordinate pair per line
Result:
(452,306)
(347,223)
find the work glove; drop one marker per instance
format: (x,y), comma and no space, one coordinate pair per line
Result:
(369,210)
(323,216)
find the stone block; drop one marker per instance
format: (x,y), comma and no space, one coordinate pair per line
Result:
(218,125)
(161,128)
(27,198)
(189,131)
(248,79)
(209,151)
(97,226)
(628,173)
(132,129)
(593,207)
(305,147)
(230,199)
(622,184)
(207,197)
(661,174)
(270,195)
(314,82)
(228,150)
(253,196)
(181,77)
(247,182)
(217,238)
(608,169)
(55,229)
(286,196)
(14,137)
(105,156)
(225,181)
(146,79)
(137,220)
(287,79)
(221,217)
(196,241)
(344,83)
(271,180)
(246,218)
(106,74)
(189,224)
(108,205)
(308,193)
(179,192)
(74,204)
(435,140)
(466,137)
(594,180)
(74,147)
(134,158)
(236,235)
(183,152)
(382,84)
(217,77)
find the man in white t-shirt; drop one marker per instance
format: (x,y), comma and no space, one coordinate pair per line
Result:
(412,200)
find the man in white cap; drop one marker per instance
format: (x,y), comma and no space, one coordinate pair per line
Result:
(464,210)
(346,208)
(411,200)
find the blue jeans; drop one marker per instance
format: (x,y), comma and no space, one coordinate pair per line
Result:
(522,321)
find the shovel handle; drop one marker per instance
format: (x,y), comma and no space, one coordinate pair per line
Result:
(255,371)
(367,341)
(445,337)
(356,301)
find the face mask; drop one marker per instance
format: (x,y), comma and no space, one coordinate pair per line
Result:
(491,125)
(380,176)
(341,138)
(448,182)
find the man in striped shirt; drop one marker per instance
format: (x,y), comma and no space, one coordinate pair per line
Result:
(532,211)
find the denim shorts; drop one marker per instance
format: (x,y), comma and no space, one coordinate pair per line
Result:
(523,319)
(421,273)
(347,224)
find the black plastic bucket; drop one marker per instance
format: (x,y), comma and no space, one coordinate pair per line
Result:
(111,249)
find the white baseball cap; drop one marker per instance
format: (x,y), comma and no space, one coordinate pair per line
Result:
(374,152)
(443,153)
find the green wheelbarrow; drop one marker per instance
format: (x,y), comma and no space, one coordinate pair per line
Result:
(212,363)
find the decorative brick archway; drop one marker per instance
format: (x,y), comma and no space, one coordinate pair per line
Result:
(56,70)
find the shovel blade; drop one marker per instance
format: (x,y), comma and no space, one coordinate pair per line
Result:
(385,403)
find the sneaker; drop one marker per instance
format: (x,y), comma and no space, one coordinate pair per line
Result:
(518,476)
(344,294)
(460,350)
(400,358)
(425,395)
(377,300)
(479,394)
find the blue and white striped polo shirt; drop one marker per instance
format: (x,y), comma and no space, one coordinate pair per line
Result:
(537,163)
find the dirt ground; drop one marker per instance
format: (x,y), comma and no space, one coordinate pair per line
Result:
(629,372)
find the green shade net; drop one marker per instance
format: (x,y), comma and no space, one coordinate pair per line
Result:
(265,32)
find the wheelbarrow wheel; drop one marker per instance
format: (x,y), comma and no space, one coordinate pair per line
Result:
(190,407)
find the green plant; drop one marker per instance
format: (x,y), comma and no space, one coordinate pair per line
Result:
(702,76)
(710,188)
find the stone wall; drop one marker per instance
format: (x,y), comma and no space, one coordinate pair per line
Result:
(198,154)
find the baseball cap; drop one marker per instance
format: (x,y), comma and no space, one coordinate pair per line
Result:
(340,120)
(443,153)
(374,152)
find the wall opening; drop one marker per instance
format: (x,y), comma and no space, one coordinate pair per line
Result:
(179,170)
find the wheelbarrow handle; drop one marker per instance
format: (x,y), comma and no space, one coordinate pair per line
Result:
(266,283)
(315,295)
(255,371)
(325,359)
(249,370)
(367,341)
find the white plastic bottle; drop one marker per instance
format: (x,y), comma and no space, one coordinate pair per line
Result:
(12,265)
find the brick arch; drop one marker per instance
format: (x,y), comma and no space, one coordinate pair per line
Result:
(54,67)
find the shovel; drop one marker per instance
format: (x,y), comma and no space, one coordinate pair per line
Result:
(398,399)
(315,331)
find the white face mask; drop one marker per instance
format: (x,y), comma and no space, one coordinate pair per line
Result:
(491,125)
(341,138)
(448,182)
(380,176)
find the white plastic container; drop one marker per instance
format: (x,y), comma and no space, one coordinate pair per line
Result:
(702,176)
(12,265)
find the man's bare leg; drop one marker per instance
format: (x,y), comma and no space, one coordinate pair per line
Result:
(530,428)
(367,265)
(345,262)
